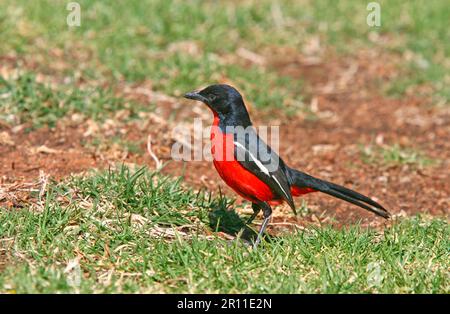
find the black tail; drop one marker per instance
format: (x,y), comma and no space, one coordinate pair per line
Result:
(301,180)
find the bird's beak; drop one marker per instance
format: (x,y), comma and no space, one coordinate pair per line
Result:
(195,96)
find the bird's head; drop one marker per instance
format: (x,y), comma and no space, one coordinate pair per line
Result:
(222,99)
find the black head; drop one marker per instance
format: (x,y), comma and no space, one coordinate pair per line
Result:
(224,100)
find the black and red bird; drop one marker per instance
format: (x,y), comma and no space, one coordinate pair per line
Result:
(252,169)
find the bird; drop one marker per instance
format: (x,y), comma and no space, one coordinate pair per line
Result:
(253,169)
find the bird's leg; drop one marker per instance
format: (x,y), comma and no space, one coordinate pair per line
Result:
(256,208)
(267,211)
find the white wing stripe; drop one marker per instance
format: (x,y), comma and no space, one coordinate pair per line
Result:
(262,168)
(258,163)
(285,194)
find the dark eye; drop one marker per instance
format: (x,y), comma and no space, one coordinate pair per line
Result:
(212,97)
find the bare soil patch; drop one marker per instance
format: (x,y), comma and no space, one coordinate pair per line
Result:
(55,151)
(26,157)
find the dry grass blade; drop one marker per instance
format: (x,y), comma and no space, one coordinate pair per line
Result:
(152,154)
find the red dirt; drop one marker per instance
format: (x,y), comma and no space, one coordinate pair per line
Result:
(56,152)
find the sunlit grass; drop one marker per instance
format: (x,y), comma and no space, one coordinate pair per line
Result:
(395,155)
(139,40)
(136,231)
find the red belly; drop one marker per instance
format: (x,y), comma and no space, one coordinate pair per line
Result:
(242,181)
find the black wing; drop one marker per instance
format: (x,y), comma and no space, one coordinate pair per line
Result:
(257,157)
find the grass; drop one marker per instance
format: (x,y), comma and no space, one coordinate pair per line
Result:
(99,233)
(104,143)
(395,155)
(23,99)
(139,40)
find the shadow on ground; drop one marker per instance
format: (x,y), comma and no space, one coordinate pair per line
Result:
(229,222)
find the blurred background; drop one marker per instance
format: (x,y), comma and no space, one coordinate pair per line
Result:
(179,44)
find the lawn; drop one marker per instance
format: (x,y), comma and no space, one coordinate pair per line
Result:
(83,209)
(137,231)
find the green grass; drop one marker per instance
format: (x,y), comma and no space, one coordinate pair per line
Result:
(97,233)
(101,142)
(23,99)
(141,34)
(395,155)
(134,40)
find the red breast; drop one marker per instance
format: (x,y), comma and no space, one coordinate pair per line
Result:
(231,171)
